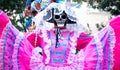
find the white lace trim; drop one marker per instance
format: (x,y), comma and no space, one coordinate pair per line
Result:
(76,61)
(100,48)
(100,51)
(112,45)
(36,59)
(15,50)
(47,46)
(72,51)
(37,64)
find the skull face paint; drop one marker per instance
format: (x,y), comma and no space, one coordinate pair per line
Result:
(60,19)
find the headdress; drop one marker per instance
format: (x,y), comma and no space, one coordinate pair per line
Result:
(73,14)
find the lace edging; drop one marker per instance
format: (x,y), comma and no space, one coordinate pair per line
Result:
(47,46)
(112,45)
(19,38)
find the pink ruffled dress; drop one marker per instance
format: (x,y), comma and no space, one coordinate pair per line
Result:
(63,57)
(15,50)
(20,53)
(103,52)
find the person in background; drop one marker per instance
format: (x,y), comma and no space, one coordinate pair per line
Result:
(33,7)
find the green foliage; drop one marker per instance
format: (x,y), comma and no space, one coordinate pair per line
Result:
(14,8)
(112,6)
(78,1)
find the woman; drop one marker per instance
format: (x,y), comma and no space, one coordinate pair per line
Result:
(19,53)
(59,43)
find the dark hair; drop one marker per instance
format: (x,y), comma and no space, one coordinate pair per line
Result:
(34,13)
(53,0)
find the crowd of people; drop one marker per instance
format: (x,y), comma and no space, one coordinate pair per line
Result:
(33,7)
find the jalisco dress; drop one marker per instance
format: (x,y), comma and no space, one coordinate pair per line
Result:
(63,57)
(105,47)
(18,53)
(13,46)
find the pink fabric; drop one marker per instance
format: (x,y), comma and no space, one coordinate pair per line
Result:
(20,47)
(32,37)
(64,51)
(19,53)
(103,52)
(25,55)
(97,52)
(115,23)
(15,51)
(83,41)
(4,19)
(23,50)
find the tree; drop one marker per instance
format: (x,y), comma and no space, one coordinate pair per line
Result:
(78,1)
(112,6)
(14,9)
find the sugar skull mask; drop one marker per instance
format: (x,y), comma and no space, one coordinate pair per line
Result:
(60,19)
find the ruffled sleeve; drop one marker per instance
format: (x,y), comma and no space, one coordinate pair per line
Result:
(15,49)
(115,24)
(83,40)
(99,52)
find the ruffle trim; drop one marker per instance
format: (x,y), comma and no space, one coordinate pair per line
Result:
(36,59)
(2,44)
(100,48)
(47,46)
(100,51)
(72,51)
(112,45)
(9,27)
(15,60)
(97,45)
(37,64)
(75,61)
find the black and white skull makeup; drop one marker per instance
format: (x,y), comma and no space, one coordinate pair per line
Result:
(60,19)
